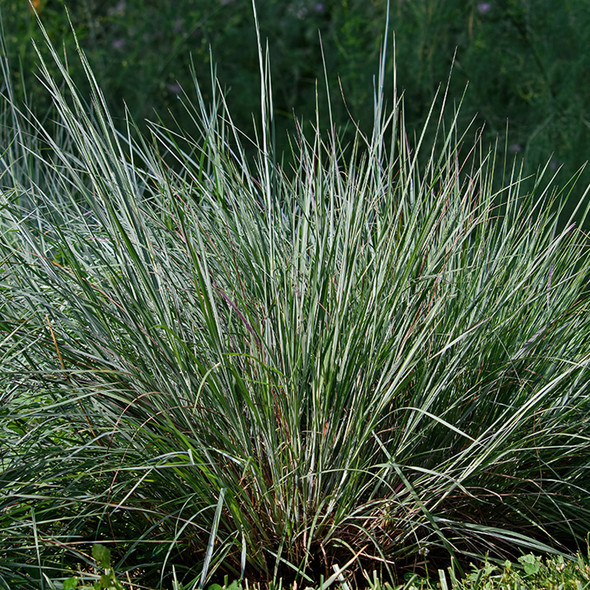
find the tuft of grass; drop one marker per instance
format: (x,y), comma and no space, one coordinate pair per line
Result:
(217,366)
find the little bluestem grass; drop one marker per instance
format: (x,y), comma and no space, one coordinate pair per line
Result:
(215,365)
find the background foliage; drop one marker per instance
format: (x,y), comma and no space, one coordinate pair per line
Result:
(525,60)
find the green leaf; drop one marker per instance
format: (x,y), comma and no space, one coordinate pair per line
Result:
(530,563)
(70,583)
(102,555)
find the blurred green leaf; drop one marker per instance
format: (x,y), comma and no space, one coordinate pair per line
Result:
(102,555)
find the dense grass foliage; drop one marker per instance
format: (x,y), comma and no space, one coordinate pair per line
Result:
(212,366)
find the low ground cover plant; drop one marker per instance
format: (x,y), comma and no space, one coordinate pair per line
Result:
(215,365)
(530,571)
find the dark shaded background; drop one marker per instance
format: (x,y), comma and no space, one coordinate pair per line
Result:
(527,61)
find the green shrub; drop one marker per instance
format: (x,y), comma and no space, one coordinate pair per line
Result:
(234,368)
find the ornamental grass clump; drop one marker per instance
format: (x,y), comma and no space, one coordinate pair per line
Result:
(216,365)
